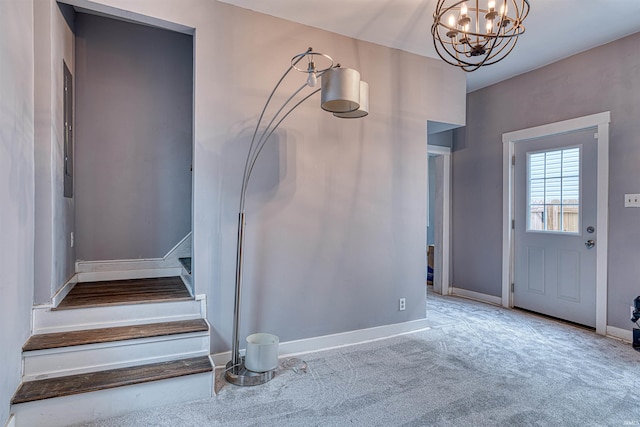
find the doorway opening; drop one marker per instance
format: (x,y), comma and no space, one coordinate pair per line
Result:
(440,139)
(133,147)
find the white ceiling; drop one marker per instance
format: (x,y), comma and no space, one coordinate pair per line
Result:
(555,29)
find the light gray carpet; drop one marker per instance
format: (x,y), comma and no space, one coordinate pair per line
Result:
(478,365)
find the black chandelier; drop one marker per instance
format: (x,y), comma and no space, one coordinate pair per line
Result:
(472,33)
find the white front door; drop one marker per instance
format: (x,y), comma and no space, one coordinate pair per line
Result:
(555,233)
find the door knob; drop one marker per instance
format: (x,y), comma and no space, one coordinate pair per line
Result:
(590,243)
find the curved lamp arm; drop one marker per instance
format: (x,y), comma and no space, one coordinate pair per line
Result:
(252,156)
(264,137)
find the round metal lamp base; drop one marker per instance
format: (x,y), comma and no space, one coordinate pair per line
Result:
(239,375)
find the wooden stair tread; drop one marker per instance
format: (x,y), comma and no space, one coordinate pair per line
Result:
(104,335)
(119,292)
(82,383)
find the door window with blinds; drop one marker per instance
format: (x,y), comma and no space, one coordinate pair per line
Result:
(553,191)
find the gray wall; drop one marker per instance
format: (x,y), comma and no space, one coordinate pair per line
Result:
(16,191)
(606,78)
(134,120)
(55,214)
(336,210)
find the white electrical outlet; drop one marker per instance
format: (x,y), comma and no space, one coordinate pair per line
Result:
(72,240)
(632,200)
(403,304)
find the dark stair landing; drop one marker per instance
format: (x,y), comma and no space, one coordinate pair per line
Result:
(118,292)
(82,383)
(119,333)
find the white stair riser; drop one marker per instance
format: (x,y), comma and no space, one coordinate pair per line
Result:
(47,321)
(97,357)
(84,407)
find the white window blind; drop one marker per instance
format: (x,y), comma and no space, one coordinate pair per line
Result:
(554,190)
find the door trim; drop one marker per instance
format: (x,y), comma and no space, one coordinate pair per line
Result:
(509,139)
(437,150)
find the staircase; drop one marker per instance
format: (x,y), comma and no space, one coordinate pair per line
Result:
(113,347)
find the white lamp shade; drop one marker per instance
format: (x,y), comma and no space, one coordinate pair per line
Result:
(363,110)
(340,90)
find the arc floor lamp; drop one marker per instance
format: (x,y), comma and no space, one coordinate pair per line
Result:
(344,95)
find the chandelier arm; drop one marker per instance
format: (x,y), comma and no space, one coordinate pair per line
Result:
(438,47)
(461,62)
(525,11)
(510,45)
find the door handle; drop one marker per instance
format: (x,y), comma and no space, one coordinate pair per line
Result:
(590,243)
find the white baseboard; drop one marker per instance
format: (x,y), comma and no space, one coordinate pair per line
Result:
(11,422)
(327,342)
(182,249)
(97,276)
(64,290)
(121,265)
(169,261)
(489,299)
(619,333)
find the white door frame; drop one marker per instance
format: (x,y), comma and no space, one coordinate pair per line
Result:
(509,139)
(437,150)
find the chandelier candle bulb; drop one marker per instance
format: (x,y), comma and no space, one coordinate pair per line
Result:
(480,35)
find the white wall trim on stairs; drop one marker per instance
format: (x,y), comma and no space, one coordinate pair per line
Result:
(326,342)
(619,333)
(123,269)
(64,290)
(11,422)
(489,299)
